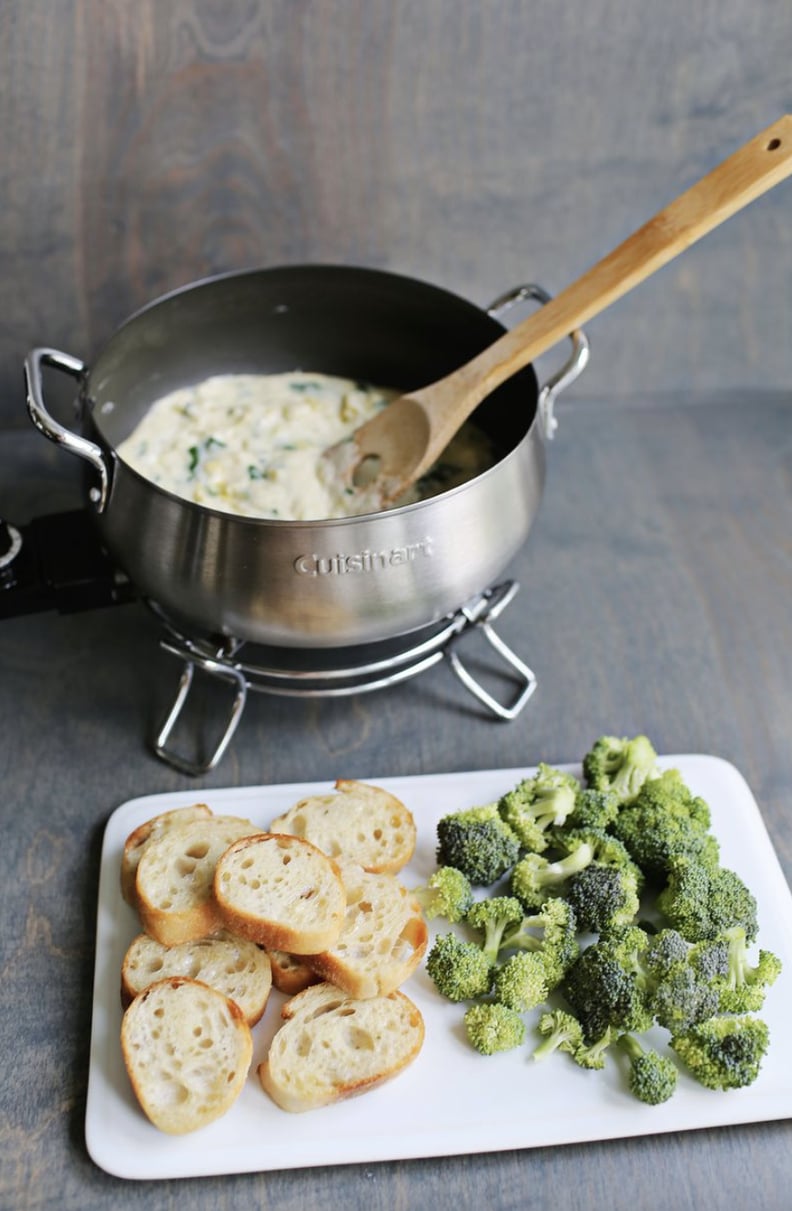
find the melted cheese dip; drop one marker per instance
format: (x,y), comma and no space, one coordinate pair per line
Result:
(253,444)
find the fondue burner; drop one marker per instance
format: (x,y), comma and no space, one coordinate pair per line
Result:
(334,673)
(57,562)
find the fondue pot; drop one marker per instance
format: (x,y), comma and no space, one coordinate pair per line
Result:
(317,584)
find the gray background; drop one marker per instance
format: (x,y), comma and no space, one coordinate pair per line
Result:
(472,143)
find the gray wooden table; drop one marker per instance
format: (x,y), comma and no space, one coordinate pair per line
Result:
(655,596)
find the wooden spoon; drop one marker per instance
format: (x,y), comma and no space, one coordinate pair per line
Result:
(399,445)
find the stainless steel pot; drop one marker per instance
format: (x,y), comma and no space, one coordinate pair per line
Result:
(306,584)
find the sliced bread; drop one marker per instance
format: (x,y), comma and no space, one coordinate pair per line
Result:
(280,891)
(239,969)
(140,837)
(333,1046)
(383,939)
(173,885)
(290,973)
(187,1050)
(363,823)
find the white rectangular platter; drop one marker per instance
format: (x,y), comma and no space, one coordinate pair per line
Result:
(451,1100)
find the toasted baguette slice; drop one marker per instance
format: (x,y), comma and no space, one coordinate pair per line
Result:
(187,1050)
(383,939)
(362,823)
(173,885)
(140,837)
(281,892)
(333,1046)
(239,969)
(290,973)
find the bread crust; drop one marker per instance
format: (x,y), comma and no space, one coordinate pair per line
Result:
(290,973)
(280,891)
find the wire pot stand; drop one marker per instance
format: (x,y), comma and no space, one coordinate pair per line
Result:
(377,667)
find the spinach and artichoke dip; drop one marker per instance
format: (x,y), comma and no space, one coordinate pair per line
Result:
(253,444)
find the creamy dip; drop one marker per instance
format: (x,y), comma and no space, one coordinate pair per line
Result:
(253,444)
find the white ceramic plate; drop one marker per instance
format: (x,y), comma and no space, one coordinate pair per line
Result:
(451,1100)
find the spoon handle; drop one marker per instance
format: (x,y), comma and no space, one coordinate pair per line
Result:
(761,163)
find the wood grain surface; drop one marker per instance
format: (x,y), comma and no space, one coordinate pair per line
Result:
(655,592)
(473,143)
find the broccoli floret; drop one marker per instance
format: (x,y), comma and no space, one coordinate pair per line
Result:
(562,1032)
(459,969)
(742,986)
(674,991)
(447,894)
(710,959)
(592,1055)
(494,1027)
(603,898)
(537,804)
(478,842)
(666,950)
(653,1077)
(593,809)
(683,998)
(534,877)
(606,849)
(552,931)
(665,822)
(724,1052)
(620,765)
(494,916)
(606,988)
(521,982)
(702,901)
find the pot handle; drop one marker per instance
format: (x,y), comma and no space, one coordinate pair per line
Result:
(56,432)
(572,368)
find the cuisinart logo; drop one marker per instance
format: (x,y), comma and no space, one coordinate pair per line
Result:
(362,561)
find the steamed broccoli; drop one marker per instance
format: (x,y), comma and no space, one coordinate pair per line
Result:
(493,917)
(459,970)
(605,988)
(742,986)
(521,982)
(494,1027)
(724,1052)
(701,901)
(478,842)
(534,877)
(653,1077)
(620,765)
(571,860)
(603,898)
(562,1032)
(665,822)
(447,893)
(538,803)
